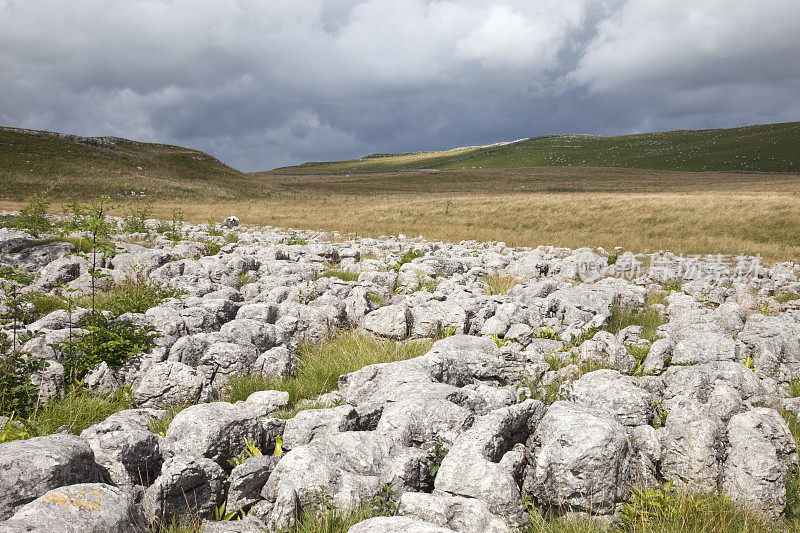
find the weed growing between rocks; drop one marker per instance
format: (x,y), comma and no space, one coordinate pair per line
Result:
(322,364)
(339,274)
(498,285)
(323,517)
(159,426)
(648,319)
(407,257)
(73,412)
(133,295)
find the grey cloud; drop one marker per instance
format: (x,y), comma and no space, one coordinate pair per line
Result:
(263,84)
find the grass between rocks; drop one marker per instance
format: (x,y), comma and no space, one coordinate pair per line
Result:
(322,364)
(73,412)
(648,319)
(675,513)
(133,295)
(339,274)
(494,285)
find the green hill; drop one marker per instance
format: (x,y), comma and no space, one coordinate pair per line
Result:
(68,166)
(763,148)
(384,162)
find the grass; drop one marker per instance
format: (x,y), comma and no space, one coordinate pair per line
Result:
(767,148)
(333,520)
(787,297)
(159,425)
(45,303)
(770,148)
(649,319)
(322,364)
(31,164)
(339,274)
(494,285)
(77,409)
(133,295)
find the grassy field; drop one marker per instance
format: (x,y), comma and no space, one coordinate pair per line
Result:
(763,148)
(638,209)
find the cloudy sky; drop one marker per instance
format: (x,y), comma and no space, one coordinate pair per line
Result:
(265,83)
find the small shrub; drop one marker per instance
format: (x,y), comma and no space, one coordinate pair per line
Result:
(213,229)
(423,284)
(407,258)
(18,396)
(32,217)
(612,259)
(339,274)
(497,285)
(212,247)
(104,341)
(231,237)
(134,217)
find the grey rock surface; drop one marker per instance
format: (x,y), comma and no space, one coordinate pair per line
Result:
(30,468)
(79,508)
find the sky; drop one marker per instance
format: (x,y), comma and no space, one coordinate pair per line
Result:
(268,83)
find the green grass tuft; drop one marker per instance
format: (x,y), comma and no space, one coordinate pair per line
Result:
(322,364)
(339,274)
(649,319)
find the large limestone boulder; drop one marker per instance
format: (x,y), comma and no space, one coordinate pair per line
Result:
(187,485)
(30,468)
(79,508)
(582,460)
(397,524)
(124,445)
(218,431)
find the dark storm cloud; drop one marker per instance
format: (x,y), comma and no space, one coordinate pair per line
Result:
(263,84)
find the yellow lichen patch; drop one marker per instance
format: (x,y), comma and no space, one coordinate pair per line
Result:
(79,500)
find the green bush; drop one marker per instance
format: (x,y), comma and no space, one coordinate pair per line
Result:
(295,239)
(212,229)
(104,341)
(134,217)
(32,217)
(212,247)
(17,395)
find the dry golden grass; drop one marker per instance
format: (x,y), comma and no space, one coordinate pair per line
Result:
(640,210)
